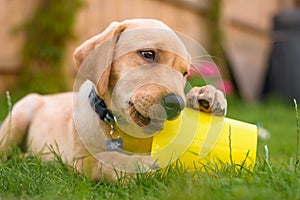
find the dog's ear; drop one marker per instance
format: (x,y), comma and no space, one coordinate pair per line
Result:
(94,57)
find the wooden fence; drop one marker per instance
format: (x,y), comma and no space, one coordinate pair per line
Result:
(246,26)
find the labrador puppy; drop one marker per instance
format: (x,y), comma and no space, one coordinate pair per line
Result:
(134,74)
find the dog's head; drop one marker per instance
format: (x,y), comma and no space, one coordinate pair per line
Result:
(139,68)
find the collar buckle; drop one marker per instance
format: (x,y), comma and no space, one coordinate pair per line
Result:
(99,106)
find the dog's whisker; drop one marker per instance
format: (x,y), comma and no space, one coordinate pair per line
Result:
(203,62)
(201,57)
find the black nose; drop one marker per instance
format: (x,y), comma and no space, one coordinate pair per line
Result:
(173,105)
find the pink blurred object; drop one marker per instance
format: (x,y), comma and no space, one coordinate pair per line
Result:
(206,69)
(209,71)
(225,86)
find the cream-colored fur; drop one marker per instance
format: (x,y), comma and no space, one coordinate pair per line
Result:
(66,123)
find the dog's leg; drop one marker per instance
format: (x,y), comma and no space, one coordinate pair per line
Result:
(207,99)
(14,127)
(110,166)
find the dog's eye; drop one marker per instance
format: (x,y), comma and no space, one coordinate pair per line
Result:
(148,55)
(185,73)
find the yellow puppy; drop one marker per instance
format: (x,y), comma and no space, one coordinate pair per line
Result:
(136,76)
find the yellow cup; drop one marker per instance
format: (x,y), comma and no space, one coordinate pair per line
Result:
(199,139)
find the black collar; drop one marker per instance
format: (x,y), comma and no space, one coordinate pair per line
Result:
(100,107)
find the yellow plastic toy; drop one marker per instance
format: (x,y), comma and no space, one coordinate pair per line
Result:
(198,138)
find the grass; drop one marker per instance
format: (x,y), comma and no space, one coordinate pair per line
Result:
(276,178)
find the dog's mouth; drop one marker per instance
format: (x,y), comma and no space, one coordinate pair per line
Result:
(146,123)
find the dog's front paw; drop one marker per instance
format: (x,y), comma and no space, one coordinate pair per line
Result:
(144,163)
(207,99)
(130,163)
(115,164)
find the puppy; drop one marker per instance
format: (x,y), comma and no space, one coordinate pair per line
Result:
(134,74)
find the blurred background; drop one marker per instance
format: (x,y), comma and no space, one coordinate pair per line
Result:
(254,43)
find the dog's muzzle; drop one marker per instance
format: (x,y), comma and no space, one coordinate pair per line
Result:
(173,105)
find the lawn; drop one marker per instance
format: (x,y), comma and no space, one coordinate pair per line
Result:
(276,178)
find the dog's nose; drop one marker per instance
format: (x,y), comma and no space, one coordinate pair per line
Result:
(173,104)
